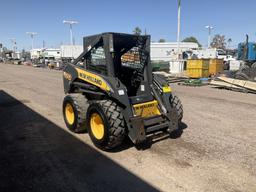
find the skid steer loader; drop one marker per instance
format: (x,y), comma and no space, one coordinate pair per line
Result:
(111,92)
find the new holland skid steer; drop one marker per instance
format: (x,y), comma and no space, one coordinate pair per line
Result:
(111,92)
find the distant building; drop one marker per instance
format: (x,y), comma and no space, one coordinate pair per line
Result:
(53,53)
(16,55)
(35,53)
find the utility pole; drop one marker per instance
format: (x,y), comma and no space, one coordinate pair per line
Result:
(43,44)
(70,23)
(32,35)
(13,40)
(210,28)
(178,30)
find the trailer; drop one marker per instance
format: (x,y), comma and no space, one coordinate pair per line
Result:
(168,51)
(70,51)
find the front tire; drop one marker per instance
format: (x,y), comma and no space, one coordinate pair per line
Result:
(105,124)
(74,112)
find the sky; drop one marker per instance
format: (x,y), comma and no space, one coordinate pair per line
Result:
(232,18)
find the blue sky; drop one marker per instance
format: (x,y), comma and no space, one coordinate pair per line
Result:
(232,18)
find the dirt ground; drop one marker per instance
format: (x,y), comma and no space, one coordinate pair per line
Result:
(215,152)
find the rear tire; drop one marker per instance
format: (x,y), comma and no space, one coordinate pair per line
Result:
(253,71)
(176,103)
(105,115)
(74,112)
(241,76)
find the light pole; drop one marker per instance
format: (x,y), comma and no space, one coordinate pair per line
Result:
(210,28)
(70,23)
(178,30)
(32,35)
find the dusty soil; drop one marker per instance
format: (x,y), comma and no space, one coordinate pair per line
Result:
(215,152)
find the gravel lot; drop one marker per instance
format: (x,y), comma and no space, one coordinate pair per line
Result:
(215,152)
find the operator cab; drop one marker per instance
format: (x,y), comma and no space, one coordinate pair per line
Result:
(122,56)
(131,63)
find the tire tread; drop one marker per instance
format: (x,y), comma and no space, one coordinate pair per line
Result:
(176,103)
(81,105)
(116,123)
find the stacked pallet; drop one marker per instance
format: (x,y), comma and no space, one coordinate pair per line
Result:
(234,84)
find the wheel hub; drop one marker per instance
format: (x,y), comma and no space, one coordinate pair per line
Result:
(69,112)
(97,126)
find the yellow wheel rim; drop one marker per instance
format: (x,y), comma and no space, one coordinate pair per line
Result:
(69,112)
(97,126)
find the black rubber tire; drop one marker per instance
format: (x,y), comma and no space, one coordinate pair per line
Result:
(244,67)
(80,106)
(253,71)
(241,76)
(176,103)
(114,124)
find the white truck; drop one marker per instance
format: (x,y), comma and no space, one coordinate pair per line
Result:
(209,54)
(212,54)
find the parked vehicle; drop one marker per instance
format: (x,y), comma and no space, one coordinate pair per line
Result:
(112,92)
(209,54)
(247,56)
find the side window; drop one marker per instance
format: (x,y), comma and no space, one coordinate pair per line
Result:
(96,60)
(254,47)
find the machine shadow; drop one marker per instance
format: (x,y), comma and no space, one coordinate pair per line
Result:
(37,155)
